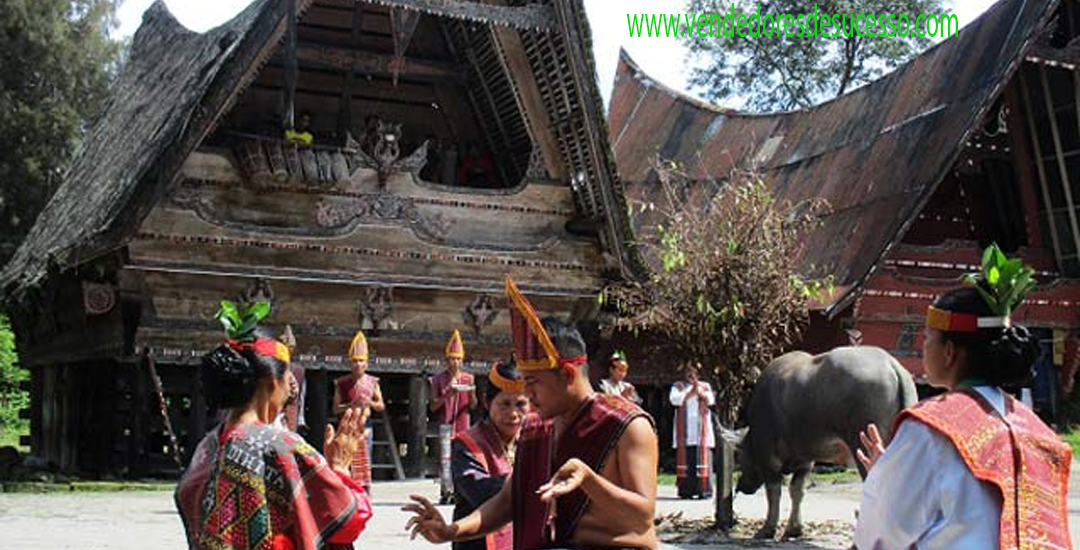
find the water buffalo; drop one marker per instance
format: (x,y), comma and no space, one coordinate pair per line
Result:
(803,408)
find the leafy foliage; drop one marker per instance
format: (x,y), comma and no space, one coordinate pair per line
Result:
(727,293)
(57,61)
(1002,282)
(785,72)
(240,321)
(12,397)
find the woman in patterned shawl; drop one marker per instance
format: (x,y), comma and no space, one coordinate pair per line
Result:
(252,485)
(973,467)
(482,456)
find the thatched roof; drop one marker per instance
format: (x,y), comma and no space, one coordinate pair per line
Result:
(877,154)
(164,103)
(179,83)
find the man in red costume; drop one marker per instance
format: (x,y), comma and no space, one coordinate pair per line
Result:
(585,471)
(453,394)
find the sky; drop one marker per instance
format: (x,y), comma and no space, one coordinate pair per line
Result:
(661,58)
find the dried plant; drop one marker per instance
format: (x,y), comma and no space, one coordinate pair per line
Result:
(725,289)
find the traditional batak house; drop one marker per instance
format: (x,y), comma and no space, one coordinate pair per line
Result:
(454,141)
(975,141)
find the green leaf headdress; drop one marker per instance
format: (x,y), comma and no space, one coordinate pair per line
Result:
(619,356)
(1002,283)
(240,323)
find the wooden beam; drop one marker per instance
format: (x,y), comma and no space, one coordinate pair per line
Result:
(197,420)
(403,24)
(331,83)
(1021,157)
(344,121)
(528,17)
(529,100)
(289,89)
(348,59)
(417,437)
(318,387)
(489,98)
(138,461)
(1062,169)
(1029,114)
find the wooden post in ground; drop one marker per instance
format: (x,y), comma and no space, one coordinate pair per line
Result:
(318,381)
(416,438)
(137,458)
(197,420)
(725,484)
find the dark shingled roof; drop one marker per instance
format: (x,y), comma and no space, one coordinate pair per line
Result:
(161,101)
(176,86)
(876,154)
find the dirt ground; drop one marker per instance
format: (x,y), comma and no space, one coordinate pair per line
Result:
(148,520)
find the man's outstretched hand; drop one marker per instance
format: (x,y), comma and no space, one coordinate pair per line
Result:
(569,477)
(427,521)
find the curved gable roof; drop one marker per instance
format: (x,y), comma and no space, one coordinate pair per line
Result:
(876,154)
(157,112)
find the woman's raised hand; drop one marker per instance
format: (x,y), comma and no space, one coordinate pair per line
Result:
(340,446)
(873,447)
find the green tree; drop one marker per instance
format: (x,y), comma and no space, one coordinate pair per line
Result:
(12,397)
(795,69)
(56,60)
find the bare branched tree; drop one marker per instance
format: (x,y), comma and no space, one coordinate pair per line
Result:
(725,290)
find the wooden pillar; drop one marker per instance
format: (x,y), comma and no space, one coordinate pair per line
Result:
(289,90)
(138,464)
(1022,159)
(67,403)
(1059,152)
(417,437)
(725,484)
(318,382)
(197,420)
(37,396)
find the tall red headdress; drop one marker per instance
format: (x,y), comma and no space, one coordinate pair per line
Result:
(532,345)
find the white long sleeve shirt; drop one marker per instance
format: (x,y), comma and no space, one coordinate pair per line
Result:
(921,495)
(678,397)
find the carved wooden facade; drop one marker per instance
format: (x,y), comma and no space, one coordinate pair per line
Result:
(370,227)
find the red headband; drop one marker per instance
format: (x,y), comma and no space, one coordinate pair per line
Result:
(266,347)
(954,321)
(573,361)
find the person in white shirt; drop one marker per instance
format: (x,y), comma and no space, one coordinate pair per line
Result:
(615,383)
(974,467)
(694,438)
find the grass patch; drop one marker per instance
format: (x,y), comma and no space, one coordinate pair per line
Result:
(1072,437)
(85,486)
(850,475)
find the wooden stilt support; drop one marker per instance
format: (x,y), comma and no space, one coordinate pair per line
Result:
(417,439)
(318,406)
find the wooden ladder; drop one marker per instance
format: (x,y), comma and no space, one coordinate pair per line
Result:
(382,419)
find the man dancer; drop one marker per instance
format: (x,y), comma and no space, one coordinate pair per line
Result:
(585,471)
